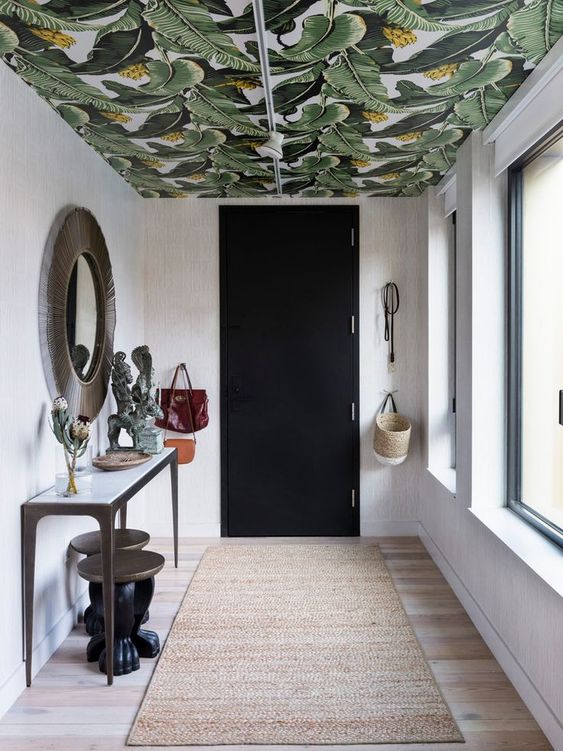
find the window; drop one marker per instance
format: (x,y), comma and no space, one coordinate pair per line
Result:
(452,340)
(442,347)
(535,444)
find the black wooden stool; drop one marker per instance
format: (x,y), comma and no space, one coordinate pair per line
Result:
(88,544)
(134,588)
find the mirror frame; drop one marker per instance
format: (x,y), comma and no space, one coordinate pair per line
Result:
(80,234)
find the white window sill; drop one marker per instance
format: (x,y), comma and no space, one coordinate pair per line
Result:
(536,551)
(446,476)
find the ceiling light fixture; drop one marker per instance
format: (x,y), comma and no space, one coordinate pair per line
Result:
(273,146)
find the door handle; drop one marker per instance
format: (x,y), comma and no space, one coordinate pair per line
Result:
(561,408)
(236,387)
(235,395)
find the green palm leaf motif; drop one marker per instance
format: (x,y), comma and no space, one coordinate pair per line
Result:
(8,39)
(342,139)
(448,50)
(53,81)
(117,143)
(357,78)
(337,179)
(537,27)
(317,117)
(408,14)
(473,75)
(74,116)
(191,25)
(89,11)
(494,21)
(200,141)
(32,14)
(323,36)
(116,52)
(456,12)
(297,89)
(479,108)
(311,165)
(413,124)
(228,158)
(440,159)
(212,108)
(119,163)
(129,21)
(173,79)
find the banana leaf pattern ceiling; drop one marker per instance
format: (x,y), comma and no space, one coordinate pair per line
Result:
(373,96)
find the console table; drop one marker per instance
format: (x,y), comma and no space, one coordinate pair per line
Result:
(109,494)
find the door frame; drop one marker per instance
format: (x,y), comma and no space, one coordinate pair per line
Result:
(353,214)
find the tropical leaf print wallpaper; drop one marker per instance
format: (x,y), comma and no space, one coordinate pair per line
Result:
(373,96)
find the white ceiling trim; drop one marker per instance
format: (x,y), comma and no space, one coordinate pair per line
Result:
(531,88)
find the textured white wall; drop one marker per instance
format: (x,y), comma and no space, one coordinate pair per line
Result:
(46,171)
(182,323)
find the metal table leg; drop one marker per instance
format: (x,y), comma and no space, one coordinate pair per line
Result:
(106,520)
(123,516)
(29,536)
(174,487)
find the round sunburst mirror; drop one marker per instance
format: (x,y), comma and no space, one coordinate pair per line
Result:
(77,314)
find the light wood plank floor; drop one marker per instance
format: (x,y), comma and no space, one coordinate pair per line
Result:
(68,707)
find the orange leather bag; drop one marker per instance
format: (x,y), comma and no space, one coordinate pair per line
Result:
(185,448)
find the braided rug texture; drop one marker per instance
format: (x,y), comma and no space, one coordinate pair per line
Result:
(292,644)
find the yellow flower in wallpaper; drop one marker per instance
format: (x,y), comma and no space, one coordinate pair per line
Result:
(174,137)
(54,37)
(135,72)
(443,71)
(116,117)
(409,136)
(375,117)
(399,37)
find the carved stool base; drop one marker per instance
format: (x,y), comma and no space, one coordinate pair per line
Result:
(130,641)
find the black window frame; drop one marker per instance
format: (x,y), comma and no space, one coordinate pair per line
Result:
(514,379)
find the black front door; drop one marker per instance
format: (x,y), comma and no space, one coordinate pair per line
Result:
(289,370)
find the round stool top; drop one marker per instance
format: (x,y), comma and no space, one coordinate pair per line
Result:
(130,566)
(125,539)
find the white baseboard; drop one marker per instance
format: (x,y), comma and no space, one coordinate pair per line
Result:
(158,529)
(389,529)
(12,688)
(529,694)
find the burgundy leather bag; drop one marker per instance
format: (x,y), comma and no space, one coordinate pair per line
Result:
(185,409)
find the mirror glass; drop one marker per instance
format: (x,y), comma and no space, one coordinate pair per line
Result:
(82,318)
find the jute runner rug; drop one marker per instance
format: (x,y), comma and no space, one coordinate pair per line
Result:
(292,644)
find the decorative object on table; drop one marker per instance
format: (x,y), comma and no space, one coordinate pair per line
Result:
(184,411)
(77,313)
(73,433)
(115,461)
(390,300)
(136,405)
(392,434)
(134,588)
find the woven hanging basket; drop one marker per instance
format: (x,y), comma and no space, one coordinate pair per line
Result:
(392,437)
